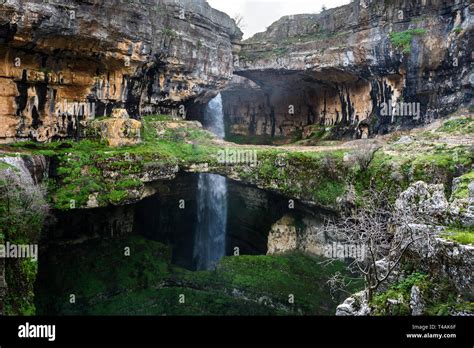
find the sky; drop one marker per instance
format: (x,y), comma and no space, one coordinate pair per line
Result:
(259,14)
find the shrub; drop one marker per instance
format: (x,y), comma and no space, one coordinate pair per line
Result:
(404,39)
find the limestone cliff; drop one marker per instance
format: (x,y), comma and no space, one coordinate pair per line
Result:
(64,62)
(339,67)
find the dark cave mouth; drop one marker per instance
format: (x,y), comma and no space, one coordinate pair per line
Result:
(170,217)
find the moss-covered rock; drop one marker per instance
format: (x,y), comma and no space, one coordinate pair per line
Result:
(460,234)
(437,298)
(119,130)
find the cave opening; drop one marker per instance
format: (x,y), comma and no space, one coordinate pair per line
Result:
(292,107)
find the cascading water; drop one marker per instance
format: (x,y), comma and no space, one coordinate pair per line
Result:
(210,238)
(214,117)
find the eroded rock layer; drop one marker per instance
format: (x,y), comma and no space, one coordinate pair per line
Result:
(340,67)
(65,62)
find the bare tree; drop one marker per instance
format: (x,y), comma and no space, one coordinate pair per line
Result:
(339,283)
(239,20)
(373,226)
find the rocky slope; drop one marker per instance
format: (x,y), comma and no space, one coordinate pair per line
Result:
(64,62)
(339,67)
(435,275)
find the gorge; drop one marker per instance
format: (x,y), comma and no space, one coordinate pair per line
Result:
(118,121)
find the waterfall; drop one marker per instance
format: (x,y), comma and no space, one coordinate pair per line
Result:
(214,117)
(210,237)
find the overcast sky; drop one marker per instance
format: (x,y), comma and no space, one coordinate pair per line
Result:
(259,14)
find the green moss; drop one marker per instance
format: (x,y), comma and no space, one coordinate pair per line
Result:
(441,166)
(94,271)
(399,292)
(317,135)
(117,197)
(446,308)
(83,165)
(166,301)
(105,282)
(4,166)
(394,171)
(22,215)
(129,184)
(321,176)
(379,176)
(276,276)
(462,235)
(438,295)
(313,176)
(20,275)
(404,39)
(462,190)
(463,125)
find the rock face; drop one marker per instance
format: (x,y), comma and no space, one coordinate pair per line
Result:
(437,256)
(462,209)
(431,253)
(117,131)
(416,301)
(282,237)
(65,63)
(421,198)
(356,305)
(342,66)
(307,235)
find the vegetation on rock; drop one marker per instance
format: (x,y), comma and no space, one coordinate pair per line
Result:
(437,297)
(404,39)
(23,211)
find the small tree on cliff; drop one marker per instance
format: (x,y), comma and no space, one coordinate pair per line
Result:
(239,20)
(386,234)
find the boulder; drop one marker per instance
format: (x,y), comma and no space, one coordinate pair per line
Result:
(356,305)
(120,130)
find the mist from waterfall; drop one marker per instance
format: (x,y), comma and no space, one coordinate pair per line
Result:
(210,237)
